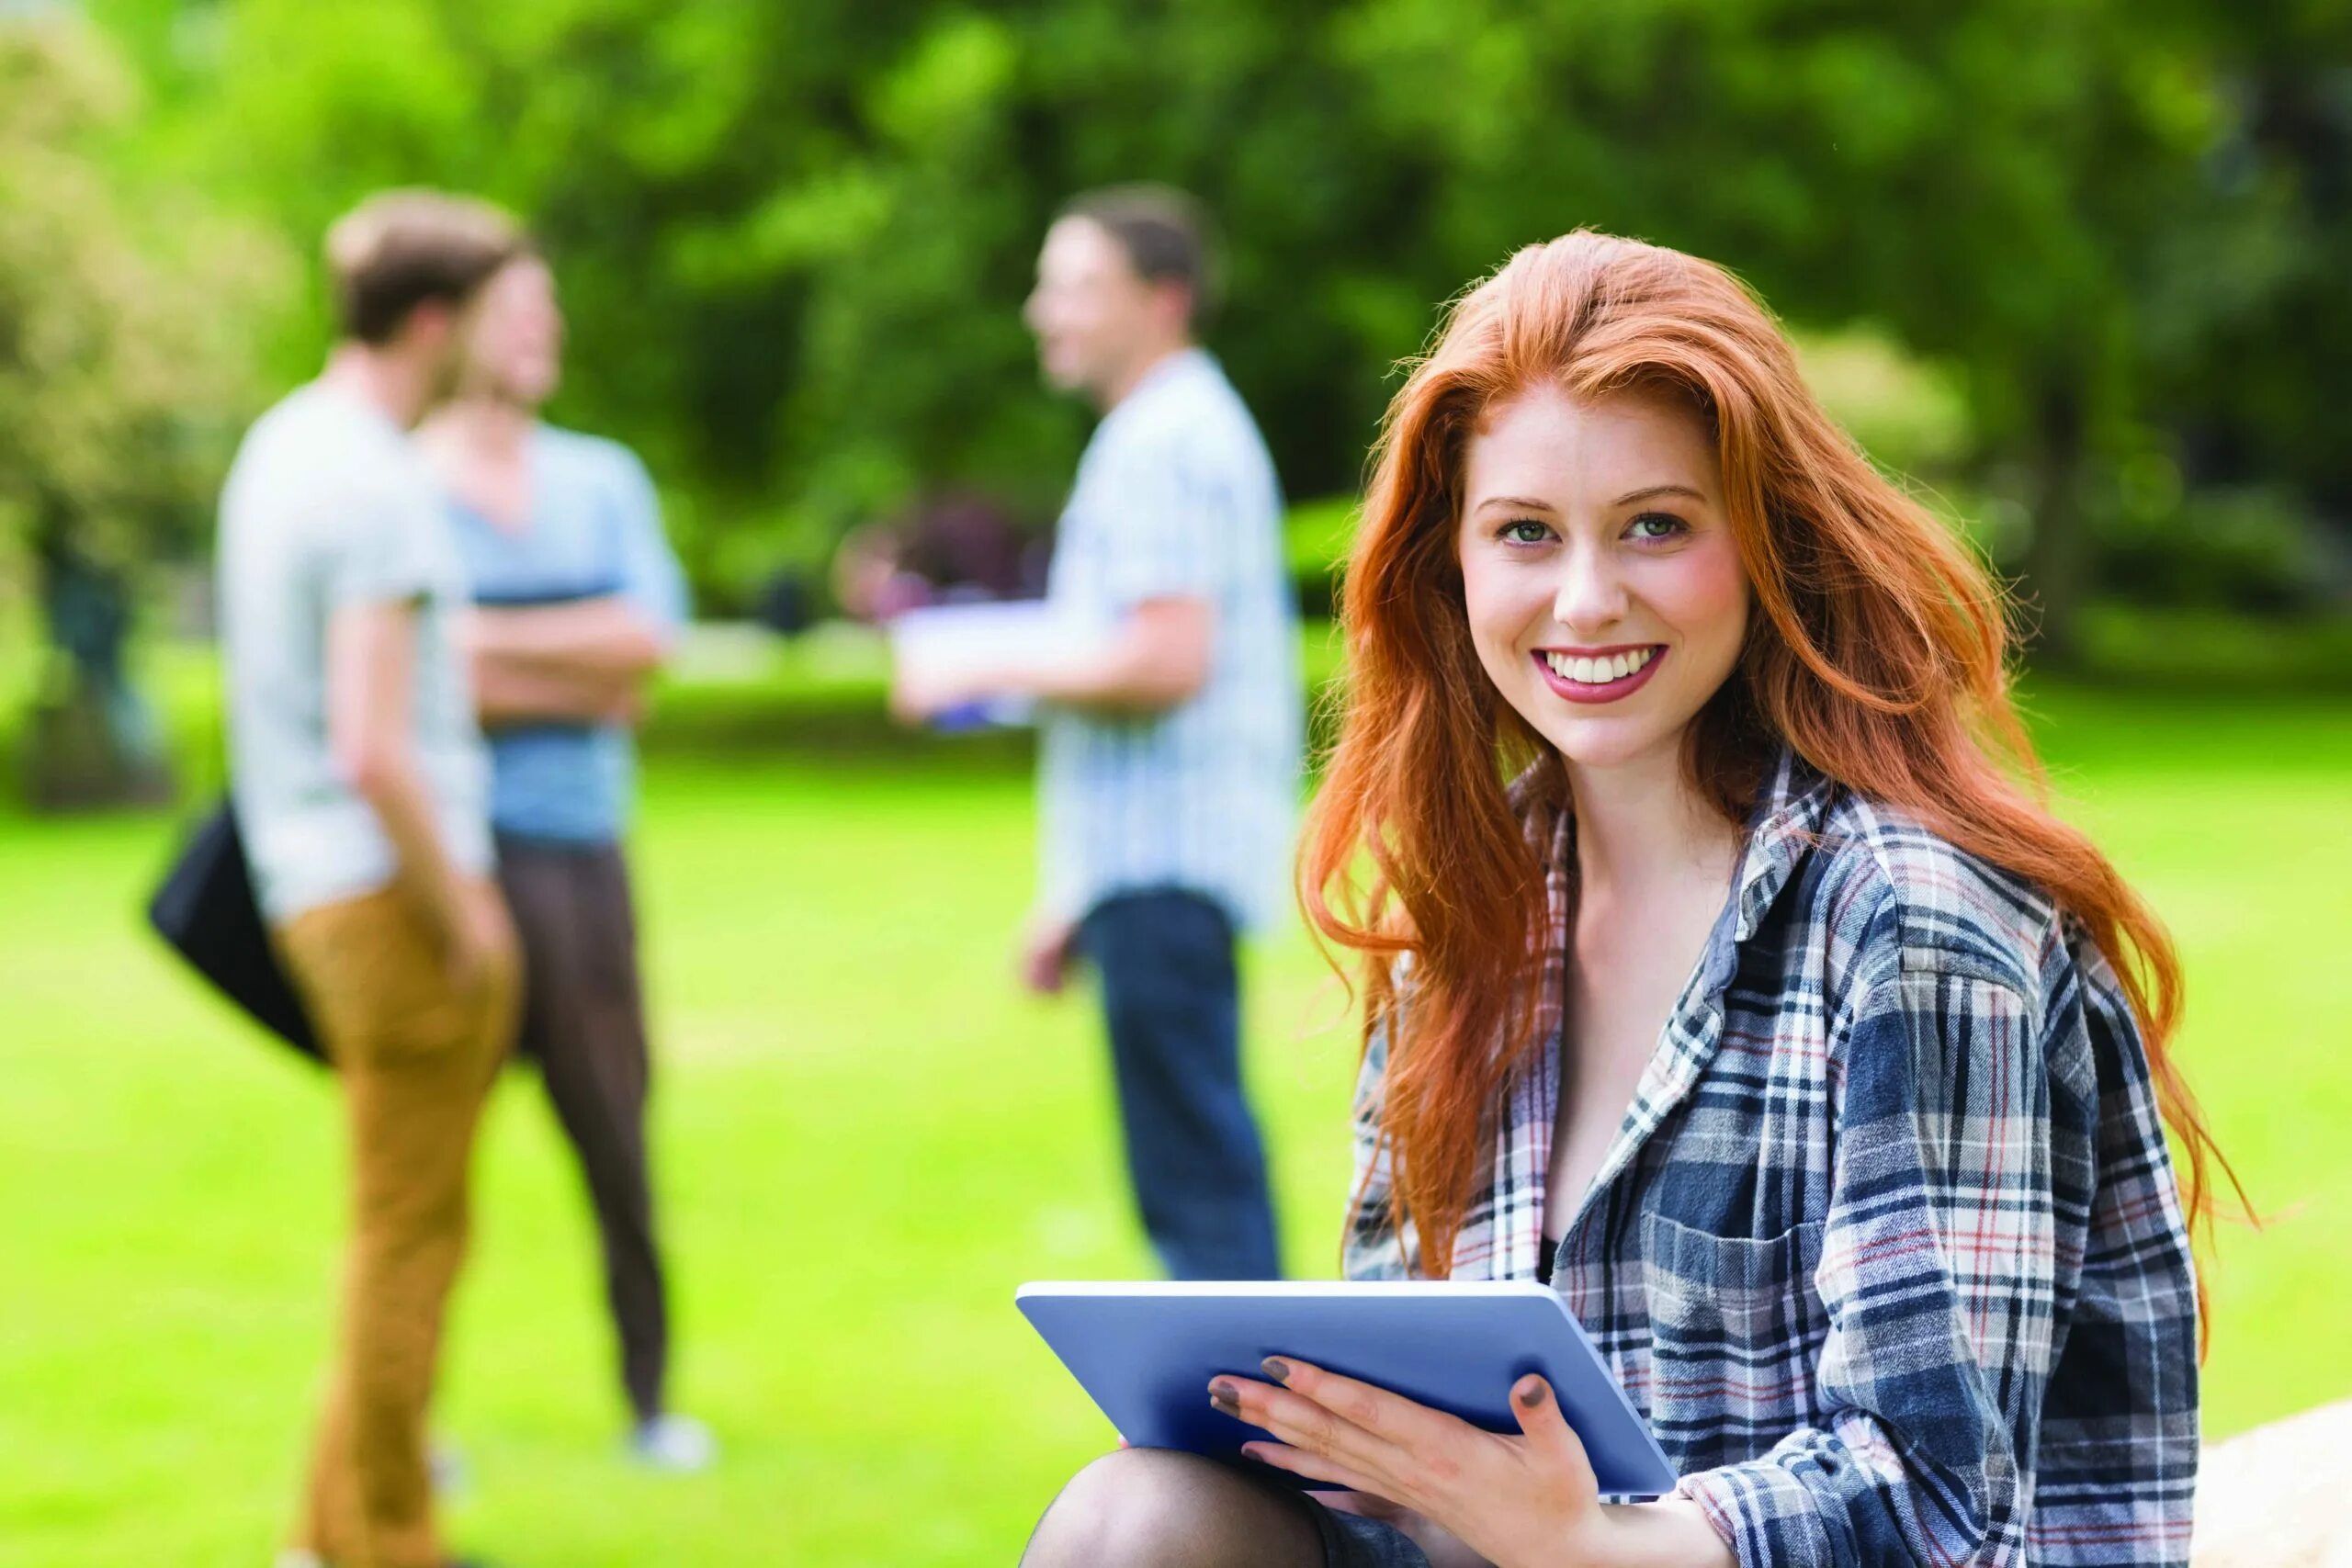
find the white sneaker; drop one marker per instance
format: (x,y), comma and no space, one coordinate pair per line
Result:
(678,1444)
(445,1463)
(295,1557)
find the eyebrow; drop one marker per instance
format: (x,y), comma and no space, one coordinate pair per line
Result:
(1522,503)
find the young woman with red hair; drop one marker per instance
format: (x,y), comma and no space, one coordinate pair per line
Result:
(1725,970)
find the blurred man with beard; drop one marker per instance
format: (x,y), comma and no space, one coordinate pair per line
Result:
(1170,768)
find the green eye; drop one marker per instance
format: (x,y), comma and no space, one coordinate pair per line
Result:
(1526,531)
(1655,526)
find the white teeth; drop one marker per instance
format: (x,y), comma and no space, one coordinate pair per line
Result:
(1598,672)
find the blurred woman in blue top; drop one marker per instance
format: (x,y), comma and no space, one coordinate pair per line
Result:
(577,599)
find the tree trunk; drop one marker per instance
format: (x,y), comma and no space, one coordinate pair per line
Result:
(91,740)
(2059,560)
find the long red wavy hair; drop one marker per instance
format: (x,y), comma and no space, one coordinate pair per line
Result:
(1879,653)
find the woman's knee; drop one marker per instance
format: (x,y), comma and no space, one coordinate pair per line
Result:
(1111,1509)
(1141,1508)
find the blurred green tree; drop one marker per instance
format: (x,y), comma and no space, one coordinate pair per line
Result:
(123,374)
(793,239)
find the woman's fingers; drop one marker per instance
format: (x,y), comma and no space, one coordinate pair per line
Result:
(1548,1432)
(1313,1466)
(1398,1422)
(1300,1422)
(1336,1429)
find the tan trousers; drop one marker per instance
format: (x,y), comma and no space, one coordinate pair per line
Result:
(415,1059)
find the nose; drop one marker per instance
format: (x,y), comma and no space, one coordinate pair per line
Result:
(1591,594)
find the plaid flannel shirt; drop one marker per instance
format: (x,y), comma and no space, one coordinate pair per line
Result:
(1888,1248)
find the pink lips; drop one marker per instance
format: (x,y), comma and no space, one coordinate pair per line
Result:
(1606,690)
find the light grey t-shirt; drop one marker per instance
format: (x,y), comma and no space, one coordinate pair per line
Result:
(327,505)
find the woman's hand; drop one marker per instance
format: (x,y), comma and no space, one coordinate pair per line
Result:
(1523,1501)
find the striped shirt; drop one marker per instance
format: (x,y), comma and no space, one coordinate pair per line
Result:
(1888,1247)
(1176,497)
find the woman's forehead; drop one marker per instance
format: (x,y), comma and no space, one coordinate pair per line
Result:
(1615,443)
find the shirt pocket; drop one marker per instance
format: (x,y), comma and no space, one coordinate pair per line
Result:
(1734,1323)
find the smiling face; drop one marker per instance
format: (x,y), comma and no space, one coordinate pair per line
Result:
(514,349)
(1600,572)
(1096,319)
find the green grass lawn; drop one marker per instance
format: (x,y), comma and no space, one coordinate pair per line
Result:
(867,1139)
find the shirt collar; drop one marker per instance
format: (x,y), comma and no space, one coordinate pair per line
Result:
(1167,371)
(1782,827)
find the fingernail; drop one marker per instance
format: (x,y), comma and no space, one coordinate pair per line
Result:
(1276,1369)
(1221,1395)
(1530,1393)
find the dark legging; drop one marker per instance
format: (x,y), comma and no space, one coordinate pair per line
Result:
(583,1023)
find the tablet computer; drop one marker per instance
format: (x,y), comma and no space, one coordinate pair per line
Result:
(1145,1353)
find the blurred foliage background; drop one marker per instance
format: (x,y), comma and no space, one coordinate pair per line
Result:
(2078,268)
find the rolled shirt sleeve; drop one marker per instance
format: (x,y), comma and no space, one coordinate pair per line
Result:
(1172,536)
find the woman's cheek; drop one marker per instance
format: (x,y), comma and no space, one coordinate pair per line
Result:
(1493,629)
(1704,596)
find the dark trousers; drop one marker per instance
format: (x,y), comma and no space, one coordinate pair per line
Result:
(583,1024)
(1173,1001)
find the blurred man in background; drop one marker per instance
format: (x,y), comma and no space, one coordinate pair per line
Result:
(1171,750)
(578,600)
(361,791)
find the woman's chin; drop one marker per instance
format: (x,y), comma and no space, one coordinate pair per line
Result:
(1611,742)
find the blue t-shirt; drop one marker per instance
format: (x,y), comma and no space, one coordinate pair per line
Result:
(595,530)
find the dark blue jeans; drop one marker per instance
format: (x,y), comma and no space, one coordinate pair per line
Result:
(1173,1004)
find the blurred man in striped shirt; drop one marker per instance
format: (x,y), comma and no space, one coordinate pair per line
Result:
(1169,775)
